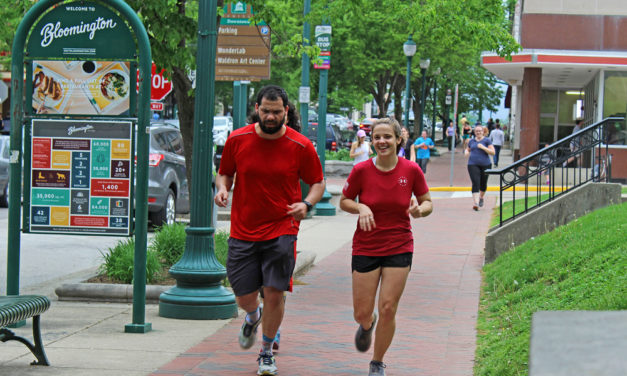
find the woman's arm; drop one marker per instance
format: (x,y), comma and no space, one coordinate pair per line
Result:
(352,153)
(489,149)
(420,206)
(366,218)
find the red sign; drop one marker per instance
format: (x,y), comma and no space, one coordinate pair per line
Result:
(41,152)
(156,106)
(160,86)
(89,221)
(109,187)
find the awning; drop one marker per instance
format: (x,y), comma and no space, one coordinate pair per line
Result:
(560,68)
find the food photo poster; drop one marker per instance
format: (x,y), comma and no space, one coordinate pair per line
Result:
(81,87)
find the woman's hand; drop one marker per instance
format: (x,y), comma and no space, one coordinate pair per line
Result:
(366,218)
(421,206)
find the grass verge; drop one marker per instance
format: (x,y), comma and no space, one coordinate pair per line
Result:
(580,266)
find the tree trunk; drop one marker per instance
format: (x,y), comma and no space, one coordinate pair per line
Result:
(185,102)
(398,99)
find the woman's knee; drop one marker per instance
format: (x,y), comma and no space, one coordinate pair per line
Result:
(387,310)
(362,314)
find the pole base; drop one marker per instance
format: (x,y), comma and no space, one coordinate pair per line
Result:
(138,328)
(197,303)
(324,208)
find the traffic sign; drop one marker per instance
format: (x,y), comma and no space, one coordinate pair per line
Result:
(160,86)
(156,106)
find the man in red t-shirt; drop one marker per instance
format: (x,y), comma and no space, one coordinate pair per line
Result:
(269,159)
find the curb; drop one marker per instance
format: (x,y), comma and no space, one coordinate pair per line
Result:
(123,293)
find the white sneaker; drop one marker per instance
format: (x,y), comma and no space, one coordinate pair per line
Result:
(267,365)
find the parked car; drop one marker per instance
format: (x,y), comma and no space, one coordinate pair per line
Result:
(168,189)
(4,170)
(332,138)
(347,136)
(366,125)
(222,128)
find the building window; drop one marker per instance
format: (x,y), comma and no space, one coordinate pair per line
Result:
(615,95)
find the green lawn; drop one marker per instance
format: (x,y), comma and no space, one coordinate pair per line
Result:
(519,205)
(624,190)
(580,266)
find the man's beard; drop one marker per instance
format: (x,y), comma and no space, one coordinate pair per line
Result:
(269,130)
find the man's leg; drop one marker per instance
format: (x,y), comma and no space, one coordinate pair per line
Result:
(273,310)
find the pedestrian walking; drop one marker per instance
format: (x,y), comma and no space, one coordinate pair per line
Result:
(478,151)
(450,135)
(389,189)
(406,144)
(360,150)
(421,151)
(498,139)
(466,132)
(269,160)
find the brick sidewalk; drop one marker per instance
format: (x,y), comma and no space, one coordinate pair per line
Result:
(435,322)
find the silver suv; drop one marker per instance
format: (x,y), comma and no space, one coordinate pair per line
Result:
(168,190)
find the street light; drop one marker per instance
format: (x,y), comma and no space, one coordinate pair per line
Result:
(436,72)
(424,65)
(409,49)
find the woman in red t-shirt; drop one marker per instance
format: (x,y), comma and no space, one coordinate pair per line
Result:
(390,189)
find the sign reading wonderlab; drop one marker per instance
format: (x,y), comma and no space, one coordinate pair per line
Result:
(81,177)
(243,51)
(81,29)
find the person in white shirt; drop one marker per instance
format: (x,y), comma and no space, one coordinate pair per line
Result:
(498,138)
(360,150)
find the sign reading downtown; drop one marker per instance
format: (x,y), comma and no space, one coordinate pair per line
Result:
(81,177)
(243,51)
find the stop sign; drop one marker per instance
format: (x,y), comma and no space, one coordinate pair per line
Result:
(160,86)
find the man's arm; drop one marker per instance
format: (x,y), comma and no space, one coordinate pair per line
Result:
(299,209)
(223,187)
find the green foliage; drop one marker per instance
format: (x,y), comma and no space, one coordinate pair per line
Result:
(169,243)
(340,155)
(580,266)
(118,262)
(165,250)
(221,246)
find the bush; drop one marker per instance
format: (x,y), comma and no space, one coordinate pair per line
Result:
(340,155)
(221,245)
(118,263)
(169,243)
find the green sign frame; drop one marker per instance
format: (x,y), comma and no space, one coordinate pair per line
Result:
(73,34)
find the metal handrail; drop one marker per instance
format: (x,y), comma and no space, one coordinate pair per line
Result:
(586,150)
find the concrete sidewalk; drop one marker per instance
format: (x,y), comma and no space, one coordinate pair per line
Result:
(436,319)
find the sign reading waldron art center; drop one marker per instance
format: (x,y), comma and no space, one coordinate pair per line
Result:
(81,30)
(81,177)
(243,51)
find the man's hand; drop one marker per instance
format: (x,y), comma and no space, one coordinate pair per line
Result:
(222,198)
(298,210)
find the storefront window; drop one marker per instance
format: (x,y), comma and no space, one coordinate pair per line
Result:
(548,101)
(568,102)
(615,95)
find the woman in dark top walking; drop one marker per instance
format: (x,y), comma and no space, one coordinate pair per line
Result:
(479,150)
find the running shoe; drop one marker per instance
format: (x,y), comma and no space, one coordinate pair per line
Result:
(248,332)
(363,338)
(267,364)
(376,368)
(480,202)
(475,207)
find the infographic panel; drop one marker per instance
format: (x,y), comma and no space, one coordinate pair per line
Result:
(81,177)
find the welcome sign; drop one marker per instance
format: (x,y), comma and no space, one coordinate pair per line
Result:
(78,30)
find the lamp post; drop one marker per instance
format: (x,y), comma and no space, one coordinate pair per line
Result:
(434,151)
(424,65)
(409,49)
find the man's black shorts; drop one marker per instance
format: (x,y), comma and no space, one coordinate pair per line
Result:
(365,264)
(268,263)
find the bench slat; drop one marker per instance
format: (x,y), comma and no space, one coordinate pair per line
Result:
(15,308)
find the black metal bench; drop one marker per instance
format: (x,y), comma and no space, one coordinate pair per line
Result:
(16,308)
